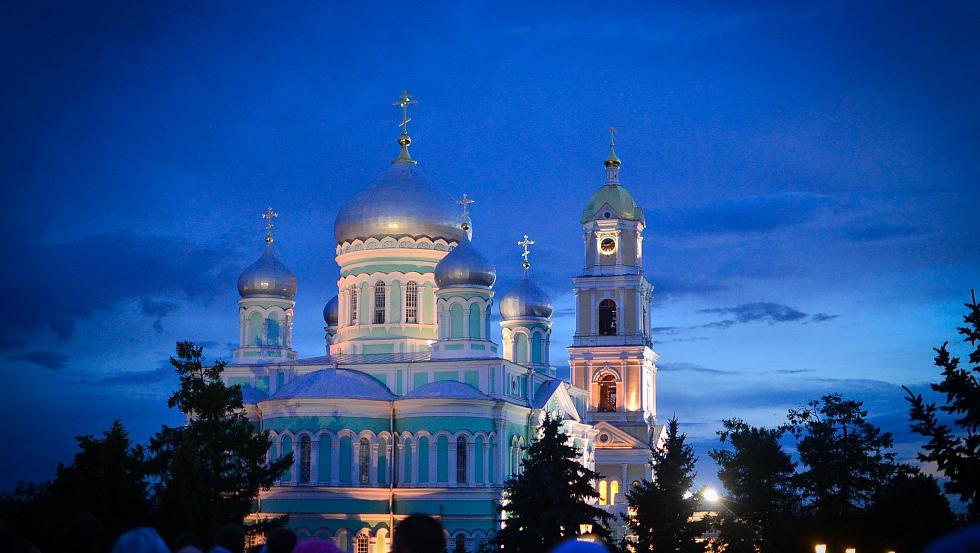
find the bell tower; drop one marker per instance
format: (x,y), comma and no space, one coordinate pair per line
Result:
(611,355)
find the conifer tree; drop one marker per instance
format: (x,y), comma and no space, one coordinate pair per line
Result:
(761,509)
(955,451)
(552,496)
(209,471)
(661,510)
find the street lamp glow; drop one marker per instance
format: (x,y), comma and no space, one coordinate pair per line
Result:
(820,548)
(711,495)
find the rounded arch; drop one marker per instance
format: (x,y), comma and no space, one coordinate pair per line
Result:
(608,390)
(608,315)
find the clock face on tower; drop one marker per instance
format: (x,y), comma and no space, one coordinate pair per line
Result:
(607,245)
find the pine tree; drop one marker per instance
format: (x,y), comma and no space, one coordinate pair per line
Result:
(761,509)
(846,460)
(956,453)
(907,513)
(551,498)
(661,511)
(211,470)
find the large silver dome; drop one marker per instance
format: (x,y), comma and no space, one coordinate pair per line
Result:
(464,266)
(267,277)
(400,203)
(331,312)
(525,301)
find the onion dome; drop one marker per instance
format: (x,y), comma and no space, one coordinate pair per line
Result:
(401,202)
(267,277)
(525,301)
(612,201)
(335,383)
(331,312)
(464,266)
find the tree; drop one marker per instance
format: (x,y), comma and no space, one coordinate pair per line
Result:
(105,481)
(661,511)
(907,513)
(761,509)
(551,498)
(211,470)
(846,460)
(956,453)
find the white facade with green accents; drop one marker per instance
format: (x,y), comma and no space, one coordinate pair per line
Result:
(420,405)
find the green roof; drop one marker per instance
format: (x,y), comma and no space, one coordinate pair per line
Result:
(616,197)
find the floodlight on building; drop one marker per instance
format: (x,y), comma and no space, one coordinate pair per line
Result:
(850,550)
(820,548)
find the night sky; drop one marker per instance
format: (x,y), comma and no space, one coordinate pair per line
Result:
(809,176)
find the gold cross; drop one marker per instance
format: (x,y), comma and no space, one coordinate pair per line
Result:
(403,102)
(612,137)
(268,216)
(527,251)
(465,202)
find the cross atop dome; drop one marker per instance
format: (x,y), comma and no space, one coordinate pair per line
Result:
(612,162)
(404,140)
(268,216)
(527,251)
(466,225)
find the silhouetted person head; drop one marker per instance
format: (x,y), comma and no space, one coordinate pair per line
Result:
(418,534)
(140,540)
(230,538)
(187,543)
(280,540)
(83,534)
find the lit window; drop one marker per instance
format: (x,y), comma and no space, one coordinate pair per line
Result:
(379,303)
(412,302)
(613,490)
(361,545)
(603,496)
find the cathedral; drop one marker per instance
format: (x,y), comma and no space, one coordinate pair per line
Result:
(420,404)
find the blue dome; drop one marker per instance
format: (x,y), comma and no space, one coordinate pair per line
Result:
(446,389)
(335,383)
(464,266)
(525,301)
(267,277)
(400,203)
(331,312)
(252,395)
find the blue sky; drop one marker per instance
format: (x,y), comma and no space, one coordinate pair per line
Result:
(809,176)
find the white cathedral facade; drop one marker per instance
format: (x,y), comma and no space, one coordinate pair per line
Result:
(420,405)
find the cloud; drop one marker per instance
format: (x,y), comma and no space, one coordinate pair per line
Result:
(45,359)
(792,371)
(750,215)
(54,285)
(691,367)
(152,376)
(822,317)
(880,232)
(762,311)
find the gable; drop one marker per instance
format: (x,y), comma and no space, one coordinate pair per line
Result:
(616,438)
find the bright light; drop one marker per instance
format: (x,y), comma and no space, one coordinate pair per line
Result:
(688,494)
(850,550)
(711,495)
(820,548)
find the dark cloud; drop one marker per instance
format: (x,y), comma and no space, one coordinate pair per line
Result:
(881,231)
(152,376)
(54,285)
(741,216)
(691,367)
(821,318)
(762,311)
(792,371)
(45,359)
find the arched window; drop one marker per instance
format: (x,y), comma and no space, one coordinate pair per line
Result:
(460,544)
(613,490)
(603,493)
(412,302)
(364,461)
(285,448)
(461,460)
(607,393)
(520,348)
(346,458)
(442,459)
(325,459)
(305,445)
(353,305)
(607,318)
(382,461)
(423,460)
(361,544)
(456,321)
(272,333)
(255,329)
(478,463)
(407,462)
(379,303)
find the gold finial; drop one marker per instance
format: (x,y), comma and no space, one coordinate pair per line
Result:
(268,216)
(404,140)
(612,160)
(465,202)
(527,251)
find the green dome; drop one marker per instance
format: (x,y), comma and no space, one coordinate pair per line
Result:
(617,198)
